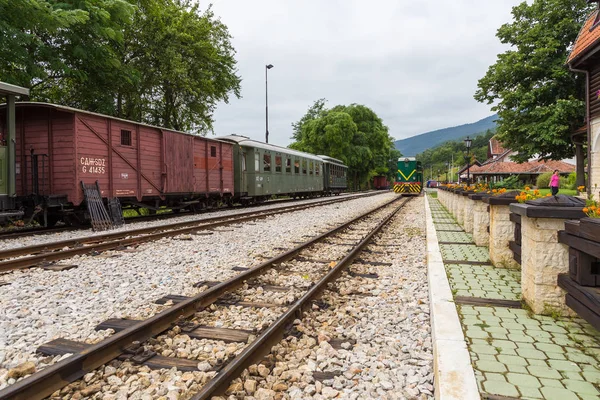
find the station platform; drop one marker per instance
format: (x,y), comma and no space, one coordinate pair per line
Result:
(513,353)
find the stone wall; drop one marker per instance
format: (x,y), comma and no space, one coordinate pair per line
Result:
(542,259)
(481,221)
(502,230)
(460,209)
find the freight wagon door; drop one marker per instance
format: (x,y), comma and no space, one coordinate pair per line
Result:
(179,163)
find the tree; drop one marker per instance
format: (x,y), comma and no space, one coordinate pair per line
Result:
(538,100)
(353,134)
(161,62)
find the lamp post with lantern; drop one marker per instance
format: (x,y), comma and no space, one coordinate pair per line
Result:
(468,146)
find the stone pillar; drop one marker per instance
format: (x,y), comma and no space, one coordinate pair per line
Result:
(460,209)
(543,257)
(468,211)
(481,221)
(502,231)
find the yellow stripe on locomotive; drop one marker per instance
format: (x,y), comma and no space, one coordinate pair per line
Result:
(408,187)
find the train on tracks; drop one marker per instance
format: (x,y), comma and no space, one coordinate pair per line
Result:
(62,153)
(409,177)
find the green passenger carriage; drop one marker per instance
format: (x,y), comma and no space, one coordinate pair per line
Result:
(263,170)
(335,173)
(409,177)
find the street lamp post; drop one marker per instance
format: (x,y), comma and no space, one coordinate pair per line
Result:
(267,68)
(447,169)
(468,145)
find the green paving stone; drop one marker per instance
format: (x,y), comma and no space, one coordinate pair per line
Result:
(490,319)
(520,338)
(539,334)
(468,310)
(490,366)
(556,356)
(491,376)
(547,347)
(554,329)
(523,380)
(514,326)
(531,354)
(591,376)
(500,388)
(504,344)
(530,393)
(497,329)
(552,393)
(478,341)
(507,352)
(499,336)
(543,372)
(580,387)
(536,362)
(562,340)
(584,340)
(555,383)
(487,357)
(478,334)
(578,357)
(483,349)
(519,369)
(588,397)
(512,360)
(564,365)
(574,376)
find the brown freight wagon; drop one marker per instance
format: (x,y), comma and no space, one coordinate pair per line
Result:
(58,148)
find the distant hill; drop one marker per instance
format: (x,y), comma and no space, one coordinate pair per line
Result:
(417,144)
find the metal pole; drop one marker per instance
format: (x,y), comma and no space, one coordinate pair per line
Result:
(266,107)
(468,168)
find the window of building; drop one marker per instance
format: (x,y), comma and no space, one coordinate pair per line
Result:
(304,167)
(256,162)
(267,162)
(277,163)
(213,151)
(296,166)
(125,137)
(288,165)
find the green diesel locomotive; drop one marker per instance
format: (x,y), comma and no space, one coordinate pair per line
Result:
(409,177)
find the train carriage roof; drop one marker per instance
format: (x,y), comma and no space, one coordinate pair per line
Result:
(245,141)
(332,160)
(407,159)
(21,104)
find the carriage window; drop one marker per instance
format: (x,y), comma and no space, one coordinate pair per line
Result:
(304,167)
(310,168)
(267,162)
(296,166)
(213,151)
(317,168)
(277,163)
(243,161)
(256,162)
(288,165)
(125,137)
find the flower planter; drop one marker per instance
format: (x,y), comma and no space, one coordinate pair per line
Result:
(589,228)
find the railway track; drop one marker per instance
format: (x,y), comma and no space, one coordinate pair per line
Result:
(42,254)
(24,232)
(189,314)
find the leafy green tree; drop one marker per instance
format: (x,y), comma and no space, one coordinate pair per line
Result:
(353,134)
(156,61)
(539,101)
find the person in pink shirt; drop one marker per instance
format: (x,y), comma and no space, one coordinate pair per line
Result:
(554,182)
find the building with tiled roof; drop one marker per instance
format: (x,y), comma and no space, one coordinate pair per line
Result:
(585,58)
(499,166)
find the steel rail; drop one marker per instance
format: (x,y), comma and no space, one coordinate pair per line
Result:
(274,333)
(59,375)
(98,243)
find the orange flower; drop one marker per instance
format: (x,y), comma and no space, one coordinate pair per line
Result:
(527,188)
(586,210)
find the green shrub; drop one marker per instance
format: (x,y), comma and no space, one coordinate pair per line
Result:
(569,181)
(512,182)
(543,181)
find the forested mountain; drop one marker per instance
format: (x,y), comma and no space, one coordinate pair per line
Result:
(417,144)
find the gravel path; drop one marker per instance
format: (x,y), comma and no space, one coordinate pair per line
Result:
(39,306)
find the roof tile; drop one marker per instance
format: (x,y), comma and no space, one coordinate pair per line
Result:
(586,38)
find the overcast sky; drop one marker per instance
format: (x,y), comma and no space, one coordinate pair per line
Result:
(416,64)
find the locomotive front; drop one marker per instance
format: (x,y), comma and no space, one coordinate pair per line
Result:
(409,177)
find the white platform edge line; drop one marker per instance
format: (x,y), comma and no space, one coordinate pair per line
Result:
(453,373)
